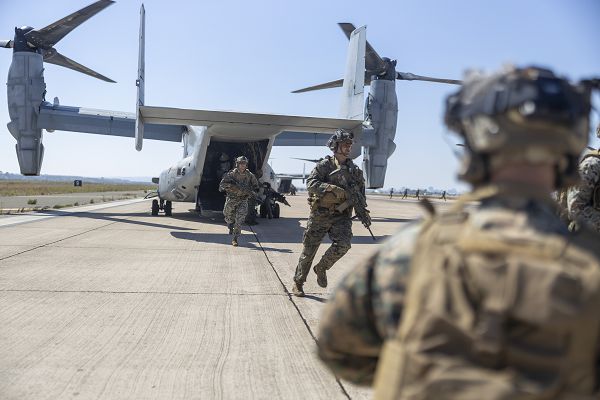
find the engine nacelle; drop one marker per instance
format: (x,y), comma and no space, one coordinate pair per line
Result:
(25,93)
(382,112)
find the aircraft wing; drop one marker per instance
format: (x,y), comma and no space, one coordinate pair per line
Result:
(245,126)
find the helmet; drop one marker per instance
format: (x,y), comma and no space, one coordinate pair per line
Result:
(526,114)
(224,157)
(241,159)
(338,137)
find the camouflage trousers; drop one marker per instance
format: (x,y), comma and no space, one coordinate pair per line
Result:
(235,212)
(339,228)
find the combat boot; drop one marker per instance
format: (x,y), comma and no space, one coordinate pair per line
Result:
(297,290)
(230,226)
(234,242)
(320,270)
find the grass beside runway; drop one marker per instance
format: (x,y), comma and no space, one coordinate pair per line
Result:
(41,188)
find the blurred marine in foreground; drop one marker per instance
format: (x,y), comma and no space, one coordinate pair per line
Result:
(495,301)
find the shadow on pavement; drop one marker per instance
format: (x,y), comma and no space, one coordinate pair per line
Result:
(315,298)
(107,216)
(245,240)
(289,230)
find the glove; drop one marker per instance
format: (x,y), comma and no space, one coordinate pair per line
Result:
(338,192)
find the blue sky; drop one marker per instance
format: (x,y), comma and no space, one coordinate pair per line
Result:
(248,56)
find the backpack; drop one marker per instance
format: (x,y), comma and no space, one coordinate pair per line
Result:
(495,314)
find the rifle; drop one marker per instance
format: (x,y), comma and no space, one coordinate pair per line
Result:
(354,198)
(280,198)
(245,189)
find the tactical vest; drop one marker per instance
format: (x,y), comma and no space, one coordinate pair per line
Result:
(490,314)
(328,200)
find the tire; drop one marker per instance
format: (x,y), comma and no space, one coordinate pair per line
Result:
(155,207)
(276,210)
(263,211)
(168,208)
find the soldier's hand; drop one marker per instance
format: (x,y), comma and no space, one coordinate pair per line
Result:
(337,191)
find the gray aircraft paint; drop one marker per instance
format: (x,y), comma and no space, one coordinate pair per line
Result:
(25,93)
(382,113)
(30,114)
(139,122)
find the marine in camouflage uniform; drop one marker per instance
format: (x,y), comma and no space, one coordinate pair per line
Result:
(326,194)
(497,301)
(239,184)
(583,200)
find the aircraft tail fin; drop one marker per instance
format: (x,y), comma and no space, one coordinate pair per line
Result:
(139,121)
(352,106)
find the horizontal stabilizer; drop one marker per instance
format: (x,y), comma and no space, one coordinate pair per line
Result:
(54,57)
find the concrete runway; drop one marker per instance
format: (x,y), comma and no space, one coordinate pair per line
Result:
(109,302)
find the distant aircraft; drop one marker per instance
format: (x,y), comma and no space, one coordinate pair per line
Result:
(207,136)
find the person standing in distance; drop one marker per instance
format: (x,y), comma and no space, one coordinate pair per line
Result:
(494,301)
(326,187)
(583,200)
(239,184)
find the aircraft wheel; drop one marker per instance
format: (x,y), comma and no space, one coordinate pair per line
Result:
(276,210)
(155,207)
(263,211)
(168,208)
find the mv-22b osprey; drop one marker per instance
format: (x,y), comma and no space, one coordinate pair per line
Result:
(208,137)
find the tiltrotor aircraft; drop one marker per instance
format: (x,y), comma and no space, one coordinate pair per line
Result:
(211,139)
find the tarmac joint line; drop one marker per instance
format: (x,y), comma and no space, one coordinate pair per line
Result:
(291,299)
(56,241)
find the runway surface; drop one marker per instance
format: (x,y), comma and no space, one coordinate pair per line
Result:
(109,302)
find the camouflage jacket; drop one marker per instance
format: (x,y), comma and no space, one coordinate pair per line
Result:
(582,200)
(320,177)
(233,180)
(367,306)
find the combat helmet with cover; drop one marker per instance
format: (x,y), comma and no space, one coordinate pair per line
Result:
(502,303)
(241,159)
(340,136)
(520,114)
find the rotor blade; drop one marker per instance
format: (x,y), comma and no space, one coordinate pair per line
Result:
(6,44)
(407,76)
(51,34)
(372,60)
(332,84)
(307,159)
(54,57)
(328,85)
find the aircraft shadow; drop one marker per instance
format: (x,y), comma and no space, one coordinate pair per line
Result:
(106,216)
(245,240)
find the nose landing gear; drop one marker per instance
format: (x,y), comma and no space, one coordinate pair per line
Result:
(165,206)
